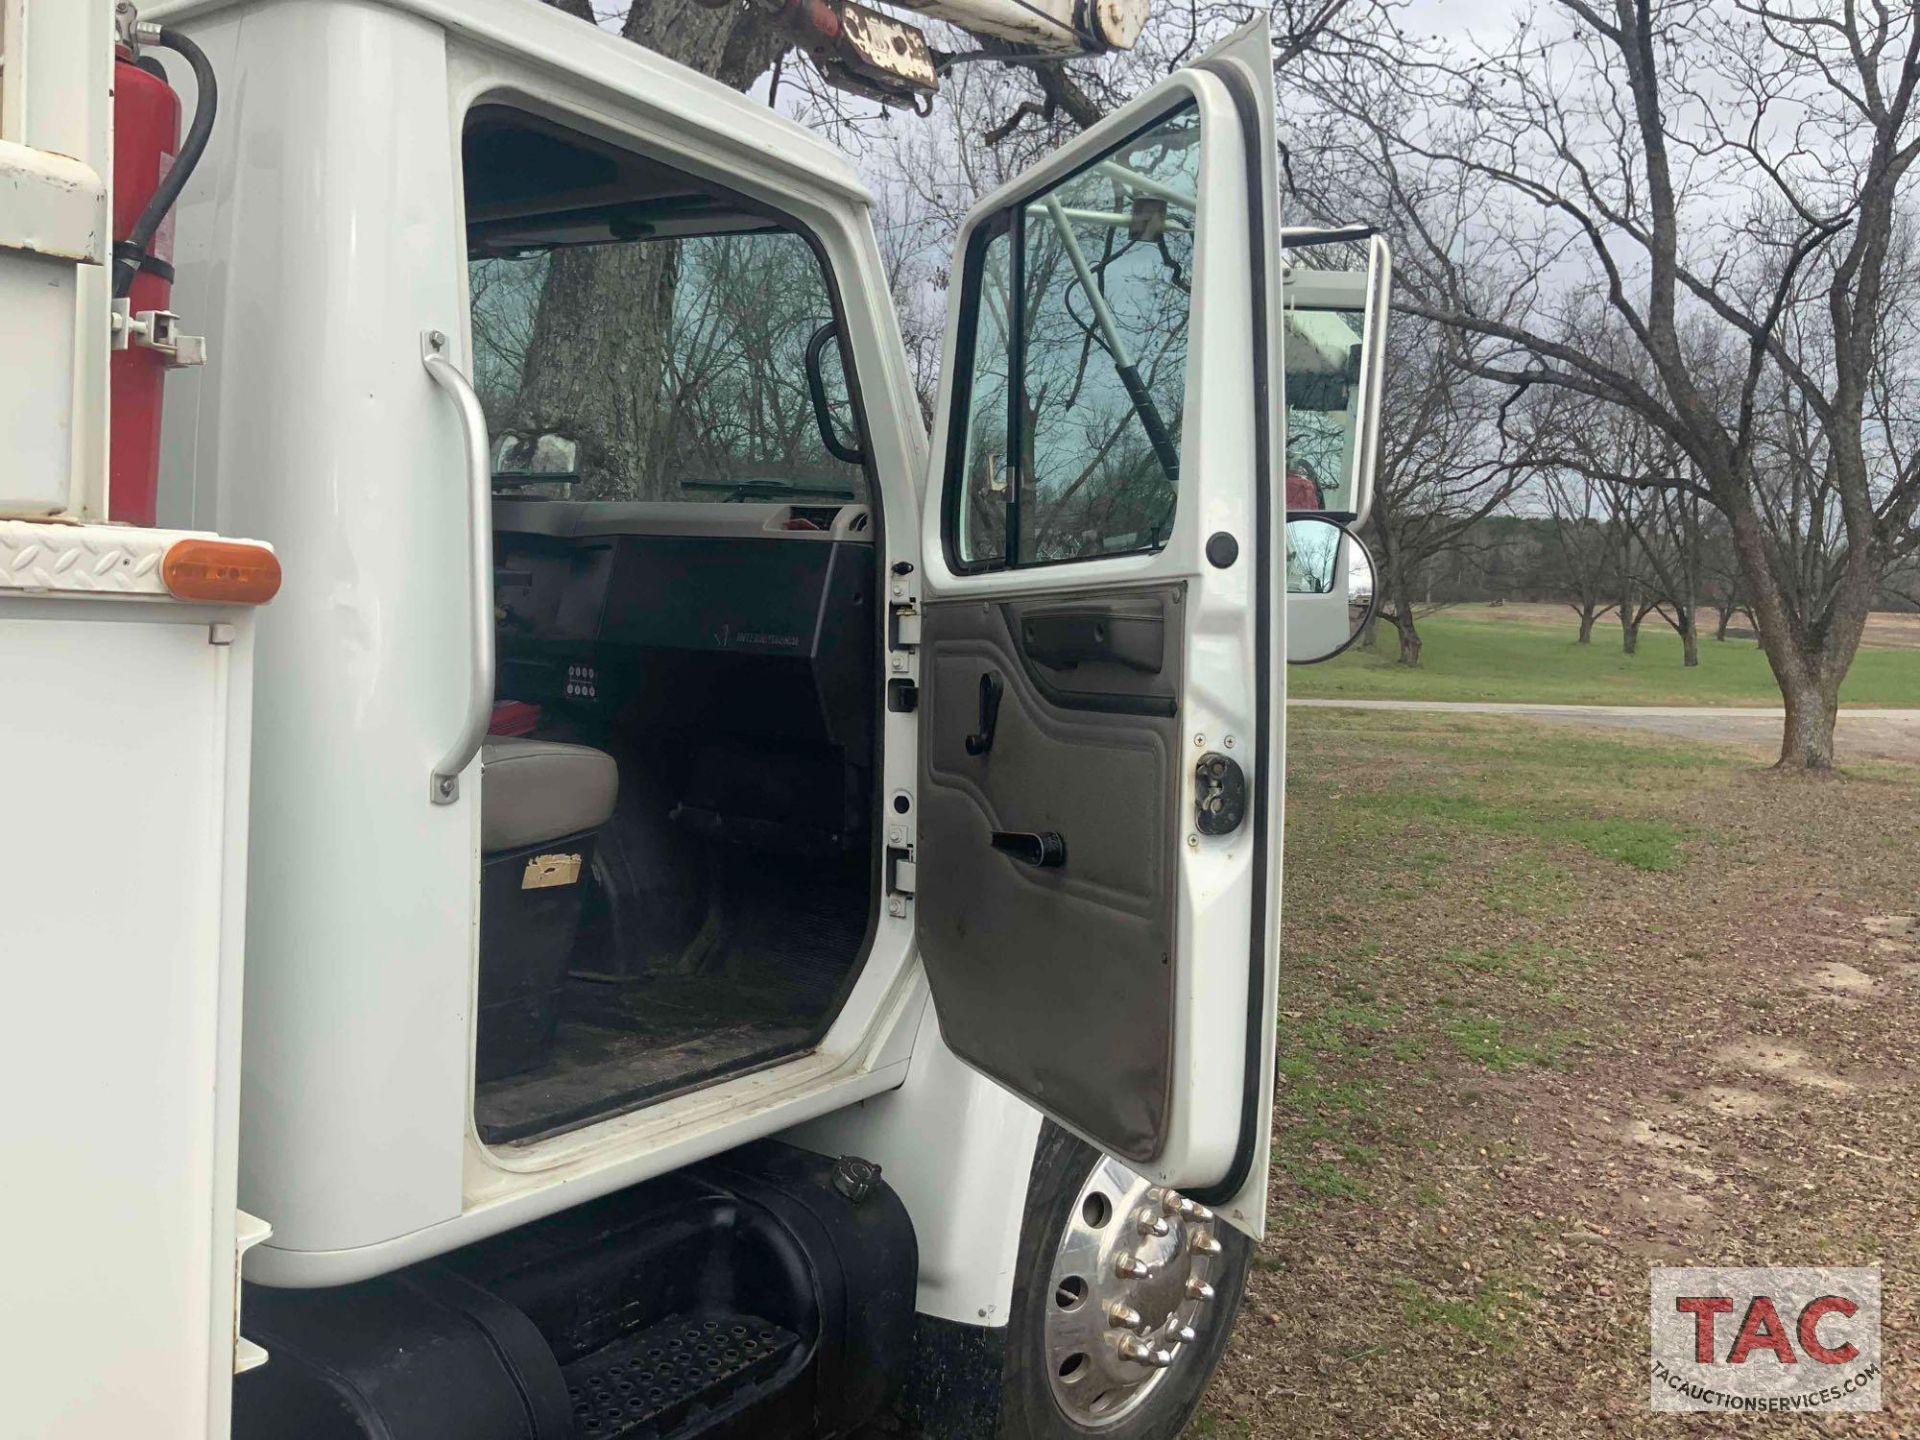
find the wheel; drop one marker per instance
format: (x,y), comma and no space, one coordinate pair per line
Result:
(1122,1305)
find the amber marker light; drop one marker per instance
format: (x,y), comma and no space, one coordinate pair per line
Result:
(223,571)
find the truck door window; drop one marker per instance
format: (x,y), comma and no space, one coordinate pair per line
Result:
(1067,431)
(658,325)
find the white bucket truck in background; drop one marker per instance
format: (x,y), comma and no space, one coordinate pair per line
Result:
(756,922)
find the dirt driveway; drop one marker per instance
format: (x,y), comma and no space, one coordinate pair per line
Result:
(1556,1007)
(1861,735)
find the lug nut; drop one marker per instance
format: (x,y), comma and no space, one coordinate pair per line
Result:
(1204,1244)
(1136,1349)
(1199,1290)
(1131,1267)
(1125,1317)
(1186,1334)
(1152,1224)
(1199,1212)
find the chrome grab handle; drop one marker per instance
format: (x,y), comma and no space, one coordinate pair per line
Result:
(445,786)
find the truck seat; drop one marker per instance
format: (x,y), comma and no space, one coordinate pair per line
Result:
(540,804)
(534,791)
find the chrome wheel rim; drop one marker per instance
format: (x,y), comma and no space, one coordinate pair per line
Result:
(1130,1285)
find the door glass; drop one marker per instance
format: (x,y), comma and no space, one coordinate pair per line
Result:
(1087,462)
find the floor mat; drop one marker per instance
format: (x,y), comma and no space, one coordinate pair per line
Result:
(766,986)
(617,1050)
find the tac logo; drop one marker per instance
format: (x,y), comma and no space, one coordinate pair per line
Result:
(1780,1339)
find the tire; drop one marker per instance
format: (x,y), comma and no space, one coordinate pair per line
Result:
(1031,1407)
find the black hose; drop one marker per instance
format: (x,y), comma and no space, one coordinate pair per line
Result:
(131,253)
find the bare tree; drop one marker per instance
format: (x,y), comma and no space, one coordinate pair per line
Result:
(1585,547)
(1665,526)
(1728,179)
(1440,472)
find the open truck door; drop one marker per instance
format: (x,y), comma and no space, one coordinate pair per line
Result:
(1101,653)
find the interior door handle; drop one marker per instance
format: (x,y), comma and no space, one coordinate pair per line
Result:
(991,689)
(1047,849)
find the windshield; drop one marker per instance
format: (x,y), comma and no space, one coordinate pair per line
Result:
(693,387)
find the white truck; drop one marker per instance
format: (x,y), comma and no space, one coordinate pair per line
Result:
(687,906)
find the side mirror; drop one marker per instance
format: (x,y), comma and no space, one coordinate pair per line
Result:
(1330,592)
(1336,288)
(823,408)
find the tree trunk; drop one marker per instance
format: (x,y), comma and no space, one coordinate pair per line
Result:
(1629,630)
(1370,632)
(605,311)
(1410,643)
(1586,625)
(1720,626)
(1811,710)
(1689,638)
(1809,676)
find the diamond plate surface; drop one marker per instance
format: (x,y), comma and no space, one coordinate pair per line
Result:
(82,559)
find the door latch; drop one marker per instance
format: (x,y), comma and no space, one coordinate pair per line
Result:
(1219,794)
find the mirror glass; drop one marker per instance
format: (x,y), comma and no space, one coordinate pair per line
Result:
(1323,407)
(1335,330)
(1330,589)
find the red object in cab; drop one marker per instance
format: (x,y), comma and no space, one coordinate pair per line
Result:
(514,717)
(146,137)
(1302,493)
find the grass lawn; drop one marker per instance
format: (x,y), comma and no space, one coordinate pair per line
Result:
(1515,653)
(1555,1007)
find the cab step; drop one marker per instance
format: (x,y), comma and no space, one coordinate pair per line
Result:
(766,1294)
(652,1382)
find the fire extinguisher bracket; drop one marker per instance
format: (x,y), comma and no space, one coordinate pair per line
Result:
(156,330)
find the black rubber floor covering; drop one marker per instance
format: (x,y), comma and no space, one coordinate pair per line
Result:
(794,935)
(767,986)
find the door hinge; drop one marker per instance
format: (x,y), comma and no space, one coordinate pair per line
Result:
(900,868)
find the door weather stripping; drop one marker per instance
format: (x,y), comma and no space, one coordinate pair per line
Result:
(444,788)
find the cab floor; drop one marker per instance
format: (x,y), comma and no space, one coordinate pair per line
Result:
(772,976)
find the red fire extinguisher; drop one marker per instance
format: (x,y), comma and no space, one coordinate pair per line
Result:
(150,168)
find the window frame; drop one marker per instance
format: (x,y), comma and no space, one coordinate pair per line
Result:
(539,1154)
(1005,221)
